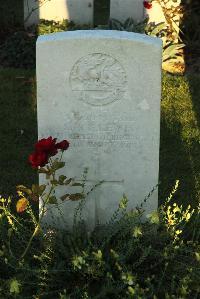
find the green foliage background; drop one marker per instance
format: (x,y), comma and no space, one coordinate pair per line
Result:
(11,13)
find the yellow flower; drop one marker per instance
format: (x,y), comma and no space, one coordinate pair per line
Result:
(22,205)
(170,221)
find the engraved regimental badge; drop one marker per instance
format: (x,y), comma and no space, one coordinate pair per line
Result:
(98,79)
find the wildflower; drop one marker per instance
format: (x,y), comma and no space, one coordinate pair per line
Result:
(171,221)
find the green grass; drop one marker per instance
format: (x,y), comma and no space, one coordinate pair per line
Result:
(180,133)
(180,137)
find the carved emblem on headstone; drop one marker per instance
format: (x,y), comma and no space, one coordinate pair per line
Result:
(98,79)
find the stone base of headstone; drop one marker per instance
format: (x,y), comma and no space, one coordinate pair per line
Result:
(124,9)
(78,11)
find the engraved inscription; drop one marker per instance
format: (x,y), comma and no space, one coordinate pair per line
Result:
(107,134)
(97,131)
(98,79)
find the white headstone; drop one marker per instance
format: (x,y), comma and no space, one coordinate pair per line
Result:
(124,9)
(101,90)
(78,11)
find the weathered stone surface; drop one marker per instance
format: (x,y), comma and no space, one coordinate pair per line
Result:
(78,11)
(101,91)
(122,10)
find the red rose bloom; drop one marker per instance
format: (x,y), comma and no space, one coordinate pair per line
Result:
(37,159)
(47,146)
(147,5)
(63,145)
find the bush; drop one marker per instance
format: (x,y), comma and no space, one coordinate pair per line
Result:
(191,23)
(19,51)
(127,258)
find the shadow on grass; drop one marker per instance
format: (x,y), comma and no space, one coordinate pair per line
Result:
(18,130)
(190,27)
(175,165)
(180,135)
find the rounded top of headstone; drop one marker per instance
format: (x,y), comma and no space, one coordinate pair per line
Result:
(100,34)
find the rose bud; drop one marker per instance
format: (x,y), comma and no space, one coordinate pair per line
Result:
(63,145)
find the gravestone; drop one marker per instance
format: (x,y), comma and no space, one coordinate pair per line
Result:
(78,11)
(122,10)
(101,90)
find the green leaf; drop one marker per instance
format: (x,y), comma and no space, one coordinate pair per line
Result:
(66,196)
(77,184)
(98,255)
(172,51)
(131,291)
(67,182)
(158,27)
(197,256)
(123,202)
(42,189)
(42,170)
(38,189)
(154,217)
(14,286)
(137,231)
(48,176)
(35,189)
(73,197)
(52,200)
(24,189)
(129,23)
(116,25)
(54,182)
(76,196)
(57,165)
(61,179)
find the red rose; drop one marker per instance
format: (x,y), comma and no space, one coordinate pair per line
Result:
(37,159)
(147,5)
(47,145)
(63,145)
